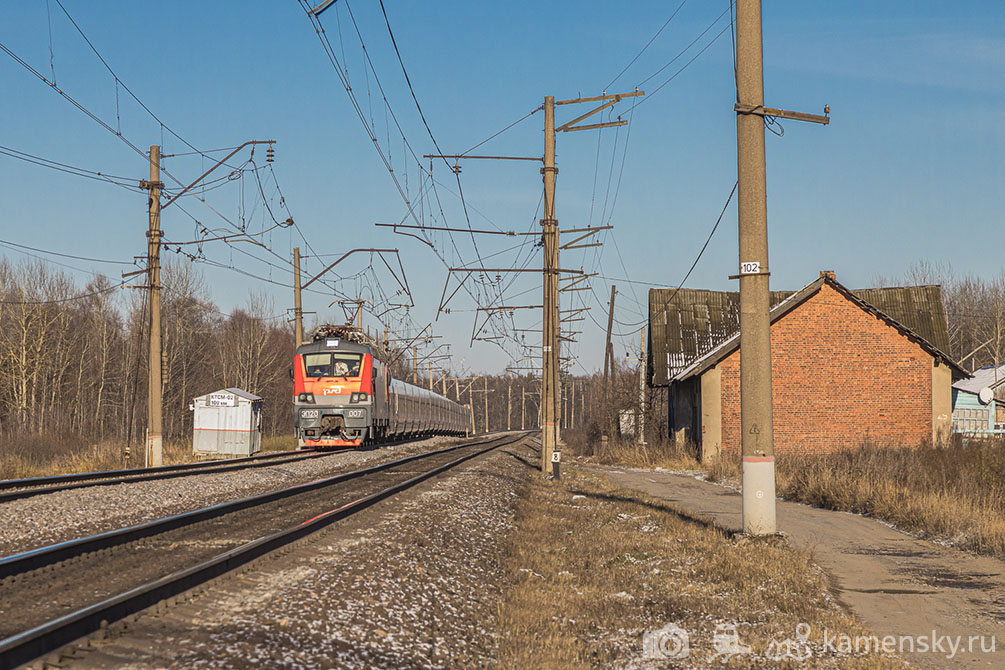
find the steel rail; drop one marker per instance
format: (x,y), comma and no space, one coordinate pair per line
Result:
(31,644)
(15,489)
(41,557)
(100,474)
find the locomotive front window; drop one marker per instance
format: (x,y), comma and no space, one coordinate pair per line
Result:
(333,364)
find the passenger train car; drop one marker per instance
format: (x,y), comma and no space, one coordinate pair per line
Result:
(344,395)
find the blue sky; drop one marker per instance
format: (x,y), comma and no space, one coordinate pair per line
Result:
(909,168)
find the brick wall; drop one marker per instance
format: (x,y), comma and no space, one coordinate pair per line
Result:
(840,376)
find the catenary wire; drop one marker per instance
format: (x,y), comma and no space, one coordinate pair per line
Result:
(648,44)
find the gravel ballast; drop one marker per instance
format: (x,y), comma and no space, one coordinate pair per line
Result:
(65,515)
(413,582)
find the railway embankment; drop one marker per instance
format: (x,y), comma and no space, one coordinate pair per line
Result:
(67,515)
(489,565)
(416,581)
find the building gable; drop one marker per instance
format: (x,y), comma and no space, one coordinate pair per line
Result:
(689,326)
(840,375)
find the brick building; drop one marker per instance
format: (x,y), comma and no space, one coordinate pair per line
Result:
(847,366)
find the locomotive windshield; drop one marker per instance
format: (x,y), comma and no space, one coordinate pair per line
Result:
(335,364)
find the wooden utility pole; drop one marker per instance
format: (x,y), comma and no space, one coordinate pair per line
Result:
(430,375)
(509,406)
(471,401)
(550,332)
(756,428)
(608,361)
(486,380)
(154,444)
(550,328)
(457,388)
(298,312)
(640,429)
(153,451)
(443,382)
(572,406)
(523,408)
(415,366)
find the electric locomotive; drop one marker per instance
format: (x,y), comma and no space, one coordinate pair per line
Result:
(344,395)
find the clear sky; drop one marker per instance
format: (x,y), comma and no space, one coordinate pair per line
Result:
(910,167)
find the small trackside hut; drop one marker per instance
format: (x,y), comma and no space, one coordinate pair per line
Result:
(227,422)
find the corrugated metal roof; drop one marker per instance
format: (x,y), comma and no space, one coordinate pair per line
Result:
(989,377)
(920,308)
(242,393)
(688,325)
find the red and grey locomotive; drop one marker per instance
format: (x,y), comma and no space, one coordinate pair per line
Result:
(344,395)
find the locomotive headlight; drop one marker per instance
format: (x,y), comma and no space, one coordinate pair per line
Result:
(306,397)
(358,397)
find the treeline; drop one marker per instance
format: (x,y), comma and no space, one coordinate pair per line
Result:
(513,402)
(975,311)
(73,359)
(73,362)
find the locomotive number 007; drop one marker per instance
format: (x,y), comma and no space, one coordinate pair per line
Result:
(355,413)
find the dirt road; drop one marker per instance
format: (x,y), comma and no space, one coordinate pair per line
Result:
(948,602)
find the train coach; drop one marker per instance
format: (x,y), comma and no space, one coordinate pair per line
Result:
(344,395)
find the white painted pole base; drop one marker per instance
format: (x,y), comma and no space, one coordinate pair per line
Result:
(155,452)
(759,495)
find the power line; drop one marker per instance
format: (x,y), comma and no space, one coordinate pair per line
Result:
(343,77)
(119,82)
(648,44)
(63,301)
(700,253)
(70,169)
(56,253)
(685,66)
(498,133)
(685,49)
(71,100)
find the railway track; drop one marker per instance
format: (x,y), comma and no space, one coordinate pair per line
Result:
(56,594)
(15,489)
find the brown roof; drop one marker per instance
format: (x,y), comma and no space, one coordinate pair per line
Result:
(688,325)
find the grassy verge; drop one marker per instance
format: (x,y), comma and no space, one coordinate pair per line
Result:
(43,455)
(953,493)
(625,452)
(592,568)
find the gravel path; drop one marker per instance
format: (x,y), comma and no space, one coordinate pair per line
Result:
(66,515)
(415,583)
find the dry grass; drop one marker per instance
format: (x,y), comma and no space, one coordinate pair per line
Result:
(43,455)
(279,442)
(591,568)
(625,452)
(953,493)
